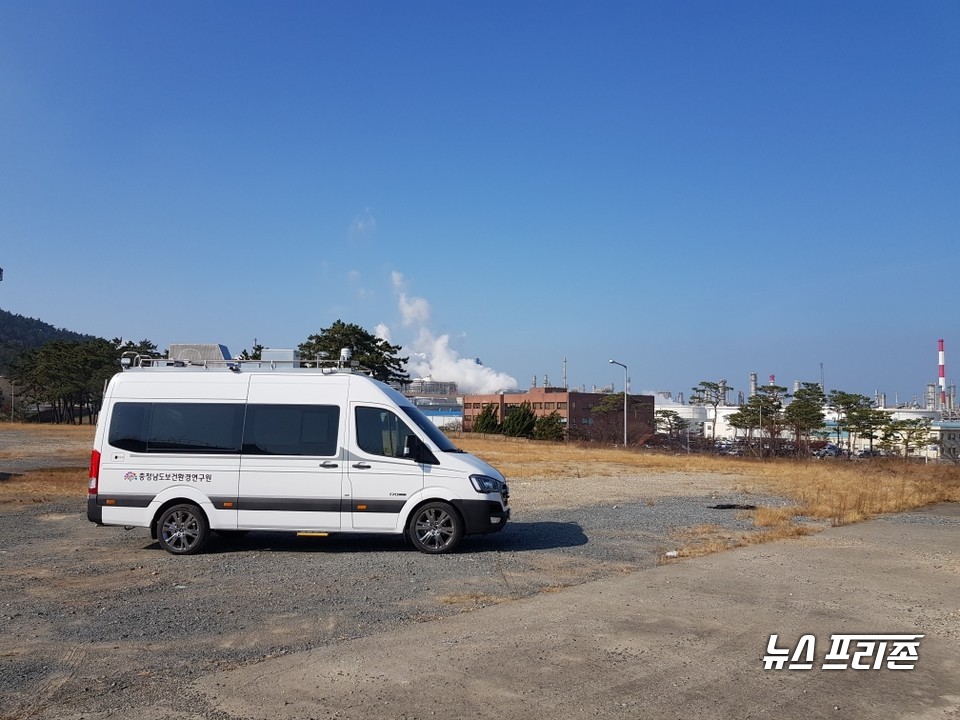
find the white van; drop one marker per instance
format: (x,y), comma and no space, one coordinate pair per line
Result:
(185,450)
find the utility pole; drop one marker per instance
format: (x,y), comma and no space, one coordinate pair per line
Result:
(625,383)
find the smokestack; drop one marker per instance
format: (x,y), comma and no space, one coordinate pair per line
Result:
(753,384)
(942,377)
(773,379)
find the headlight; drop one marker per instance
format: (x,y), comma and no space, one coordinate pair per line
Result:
(486,484)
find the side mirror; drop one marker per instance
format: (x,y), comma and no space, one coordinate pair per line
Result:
(414,449)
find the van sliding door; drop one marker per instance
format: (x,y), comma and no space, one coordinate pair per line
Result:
(291,469)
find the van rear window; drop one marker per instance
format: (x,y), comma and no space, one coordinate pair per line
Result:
(146,427)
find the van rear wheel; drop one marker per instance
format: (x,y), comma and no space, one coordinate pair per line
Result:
(183,529)
(436,528)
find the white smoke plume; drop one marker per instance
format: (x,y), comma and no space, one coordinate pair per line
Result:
(432,357)
(413,310)
(383,332)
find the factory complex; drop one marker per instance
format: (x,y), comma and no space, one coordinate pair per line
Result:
(576,411)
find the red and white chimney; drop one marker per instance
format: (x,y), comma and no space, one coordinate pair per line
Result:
(942,376)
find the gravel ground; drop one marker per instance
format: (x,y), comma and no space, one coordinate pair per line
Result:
(93,620)
(96,619)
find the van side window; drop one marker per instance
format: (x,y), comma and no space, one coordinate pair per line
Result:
(146,427)
(380,432)
(291,430)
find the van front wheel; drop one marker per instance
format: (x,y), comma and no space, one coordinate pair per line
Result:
(183,529)
(436,528)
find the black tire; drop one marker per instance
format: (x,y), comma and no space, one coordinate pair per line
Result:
(183,529)
(435,528)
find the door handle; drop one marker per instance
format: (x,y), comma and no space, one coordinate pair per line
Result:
(361,466)
(328,464)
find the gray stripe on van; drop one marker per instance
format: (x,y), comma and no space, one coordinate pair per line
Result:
(137,501)
(263,504)
(290,504)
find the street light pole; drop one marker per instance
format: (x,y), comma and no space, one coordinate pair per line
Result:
(614,362)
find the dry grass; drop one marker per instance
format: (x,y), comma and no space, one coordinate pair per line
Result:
(52,429)
(835,490)
(774,523)
(520,459)
(844,492)
(20,440)
(708,539)
(42,486)
(774,517)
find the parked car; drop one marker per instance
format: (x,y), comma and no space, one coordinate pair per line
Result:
(830,450)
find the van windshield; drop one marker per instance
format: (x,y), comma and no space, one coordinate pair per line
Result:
(433,432)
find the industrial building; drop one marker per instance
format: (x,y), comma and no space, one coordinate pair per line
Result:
(575,409)
(439,401)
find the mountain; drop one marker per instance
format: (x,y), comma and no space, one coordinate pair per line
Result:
(19,333)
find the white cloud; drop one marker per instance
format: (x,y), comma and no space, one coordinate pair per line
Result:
(382,332)
(363,226)
(354,278)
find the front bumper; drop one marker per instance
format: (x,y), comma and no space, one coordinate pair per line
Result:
(482,516)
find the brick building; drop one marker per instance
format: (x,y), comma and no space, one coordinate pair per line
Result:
(575,410)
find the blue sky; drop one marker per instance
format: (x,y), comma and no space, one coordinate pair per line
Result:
(697,189)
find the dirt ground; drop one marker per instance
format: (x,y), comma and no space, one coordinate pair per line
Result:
(686,640)
(570,612)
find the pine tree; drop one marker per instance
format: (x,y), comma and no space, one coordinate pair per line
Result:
(520,422)
(487,421)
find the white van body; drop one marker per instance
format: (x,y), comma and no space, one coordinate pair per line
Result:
(187,450)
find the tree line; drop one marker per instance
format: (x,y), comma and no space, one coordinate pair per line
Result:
(520,422)
(804,419)
(605,422)
(62,380)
